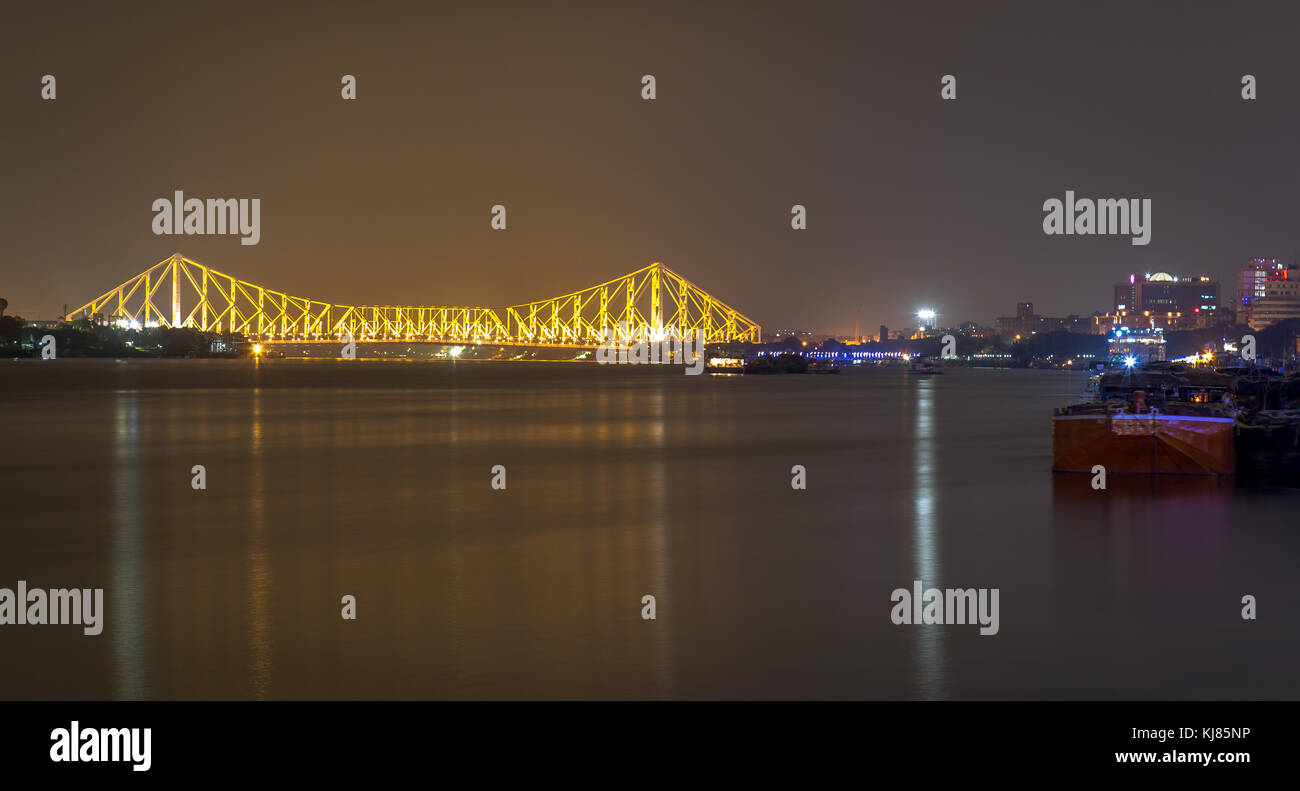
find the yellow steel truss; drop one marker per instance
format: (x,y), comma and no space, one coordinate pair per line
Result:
(643,304)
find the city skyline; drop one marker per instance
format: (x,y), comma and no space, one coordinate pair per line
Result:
(928,317)
(1226,302)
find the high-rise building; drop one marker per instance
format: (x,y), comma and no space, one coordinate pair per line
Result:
(1281,299)
(1166,293)
(1253,285)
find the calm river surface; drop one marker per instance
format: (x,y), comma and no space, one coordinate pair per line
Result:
(373,479)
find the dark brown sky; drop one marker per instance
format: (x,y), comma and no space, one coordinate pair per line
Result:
(912,201)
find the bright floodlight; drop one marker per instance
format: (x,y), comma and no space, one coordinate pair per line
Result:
(925,314)
(1130,361)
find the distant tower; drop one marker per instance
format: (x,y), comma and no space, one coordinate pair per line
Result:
(857,328)
(884,333)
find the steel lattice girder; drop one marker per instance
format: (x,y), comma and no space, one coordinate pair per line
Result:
(643,304)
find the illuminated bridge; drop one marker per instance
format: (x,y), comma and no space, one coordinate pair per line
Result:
(649,302)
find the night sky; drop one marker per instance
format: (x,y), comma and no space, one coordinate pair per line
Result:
(912,201)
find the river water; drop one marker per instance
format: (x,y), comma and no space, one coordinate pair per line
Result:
(374,480)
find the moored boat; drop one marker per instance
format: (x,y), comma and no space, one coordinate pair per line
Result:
(823,367)
(923,367)
(1269,444)
(1268,427)
(1159,419)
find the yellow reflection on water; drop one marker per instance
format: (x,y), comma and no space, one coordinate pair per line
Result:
(259,572)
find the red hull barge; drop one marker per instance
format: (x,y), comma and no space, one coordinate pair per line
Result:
(1145,444)
(1160,419)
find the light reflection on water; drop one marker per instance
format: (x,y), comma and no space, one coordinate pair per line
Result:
(931,672)
(259,570)
(333,478)
(660,533)
(124,599)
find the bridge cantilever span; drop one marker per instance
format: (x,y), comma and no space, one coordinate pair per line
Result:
(647,303)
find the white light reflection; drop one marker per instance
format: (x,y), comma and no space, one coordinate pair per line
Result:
(931,659)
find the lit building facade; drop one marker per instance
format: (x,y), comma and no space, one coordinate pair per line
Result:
(1137,345)
(1166,293)
(1267,292)
(1281,301)
(1106,323)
